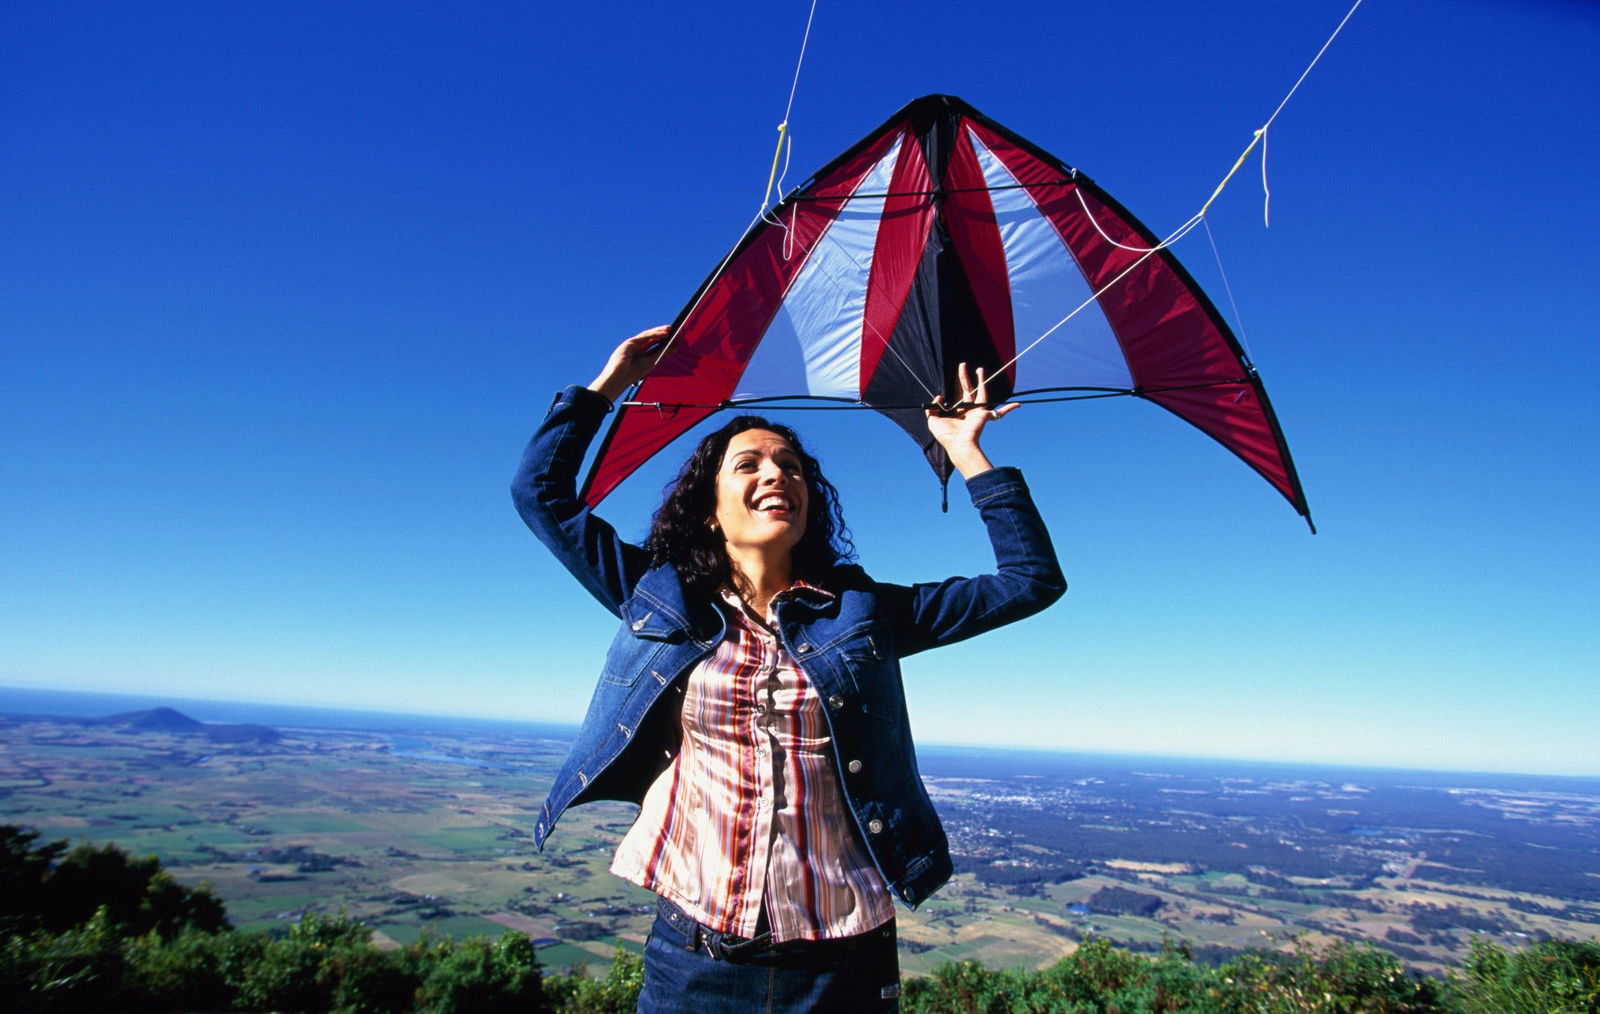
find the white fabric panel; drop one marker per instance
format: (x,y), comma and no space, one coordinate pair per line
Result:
(1046,285)
(826,302)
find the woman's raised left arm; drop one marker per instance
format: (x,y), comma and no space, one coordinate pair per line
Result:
(1027,575)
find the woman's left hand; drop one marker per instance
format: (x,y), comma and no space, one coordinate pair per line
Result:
(958,429)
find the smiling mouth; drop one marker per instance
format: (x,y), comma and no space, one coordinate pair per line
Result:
(774,503)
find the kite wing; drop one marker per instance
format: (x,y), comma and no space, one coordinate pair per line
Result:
(943,238)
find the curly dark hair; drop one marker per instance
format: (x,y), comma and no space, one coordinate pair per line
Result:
(680,536)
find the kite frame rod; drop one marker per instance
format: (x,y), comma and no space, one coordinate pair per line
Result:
(838,404)
(939,192)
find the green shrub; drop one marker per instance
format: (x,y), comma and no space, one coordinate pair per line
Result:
(1344,978)
(187,973)
(479,976)
(79,970)
(617,993)
(1551,977)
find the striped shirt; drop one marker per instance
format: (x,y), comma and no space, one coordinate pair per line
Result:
(750,813)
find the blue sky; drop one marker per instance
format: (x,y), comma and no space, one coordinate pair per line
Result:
(286,287)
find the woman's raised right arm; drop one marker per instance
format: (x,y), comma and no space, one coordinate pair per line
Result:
(545,489)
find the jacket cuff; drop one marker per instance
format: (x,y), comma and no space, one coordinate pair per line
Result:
(997,483)
(581,400)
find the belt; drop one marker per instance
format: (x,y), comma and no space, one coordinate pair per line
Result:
(732,947)
(721,946)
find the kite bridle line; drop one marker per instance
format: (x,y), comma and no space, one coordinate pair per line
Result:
(1238,320)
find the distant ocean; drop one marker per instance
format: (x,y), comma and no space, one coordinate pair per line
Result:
(935,760)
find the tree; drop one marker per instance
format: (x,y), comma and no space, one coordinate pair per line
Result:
(48,887)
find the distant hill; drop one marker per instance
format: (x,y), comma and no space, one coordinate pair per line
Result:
(170,721)
(156,720)
(173,722)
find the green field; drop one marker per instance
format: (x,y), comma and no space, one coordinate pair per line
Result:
(329,821)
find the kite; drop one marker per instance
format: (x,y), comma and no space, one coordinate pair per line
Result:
(938,239)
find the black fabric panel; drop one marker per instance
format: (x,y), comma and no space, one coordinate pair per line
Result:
(939,328)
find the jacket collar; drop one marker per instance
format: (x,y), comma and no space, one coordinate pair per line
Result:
(657,609)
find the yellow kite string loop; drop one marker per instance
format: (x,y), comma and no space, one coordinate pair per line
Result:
(1242,156)
(783,127)
(772,177)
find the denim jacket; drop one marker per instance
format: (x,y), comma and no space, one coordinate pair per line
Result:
(848,644)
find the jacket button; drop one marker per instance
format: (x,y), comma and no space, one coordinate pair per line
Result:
(874,827)
(802,648)
(854,766)
(836,702)
(638,624)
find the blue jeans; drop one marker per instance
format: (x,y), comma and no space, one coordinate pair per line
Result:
(689,969)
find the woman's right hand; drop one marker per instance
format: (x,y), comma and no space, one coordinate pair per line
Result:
(630,363)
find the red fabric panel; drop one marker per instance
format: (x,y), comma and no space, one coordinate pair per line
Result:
(902,235)
(1165,327)
(715,340)
(969,218)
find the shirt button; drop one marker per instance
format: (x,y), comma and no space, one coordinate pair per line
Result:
(854,766)
(761,709)
(836,702)
(874,827)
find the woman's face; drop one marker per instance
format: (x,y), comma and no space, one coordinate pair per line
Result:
(762,495)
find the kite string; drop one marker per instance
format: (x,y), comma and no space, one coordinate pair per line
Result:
(1259,137)
(783,127)
(772,178)
(1144,256)
(1261,134)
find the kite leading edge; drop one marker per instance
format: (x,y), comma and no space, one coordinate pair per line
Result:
(942,238)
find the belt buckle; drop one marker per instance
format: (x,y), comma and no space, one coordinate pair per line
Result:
(726,947)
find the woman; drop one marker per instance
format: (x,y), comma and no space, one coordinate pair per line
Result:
(751,701)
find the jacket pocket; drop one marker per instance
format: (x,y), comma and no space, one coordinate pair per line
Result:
(876,675)
(631,657)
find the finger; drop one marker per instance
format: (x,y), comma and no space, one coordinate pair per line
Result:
(1004,410)
(981,394)
(968,392)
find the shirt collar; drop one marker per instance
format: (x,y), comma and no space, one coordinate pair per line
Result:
(799,590)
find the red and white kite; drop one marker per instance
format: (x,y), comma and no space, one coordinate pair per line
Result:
(942,238)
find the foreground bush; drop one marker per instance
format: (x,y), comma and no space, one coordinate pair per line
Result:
(330,965)
(92,930)
(1551,977)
